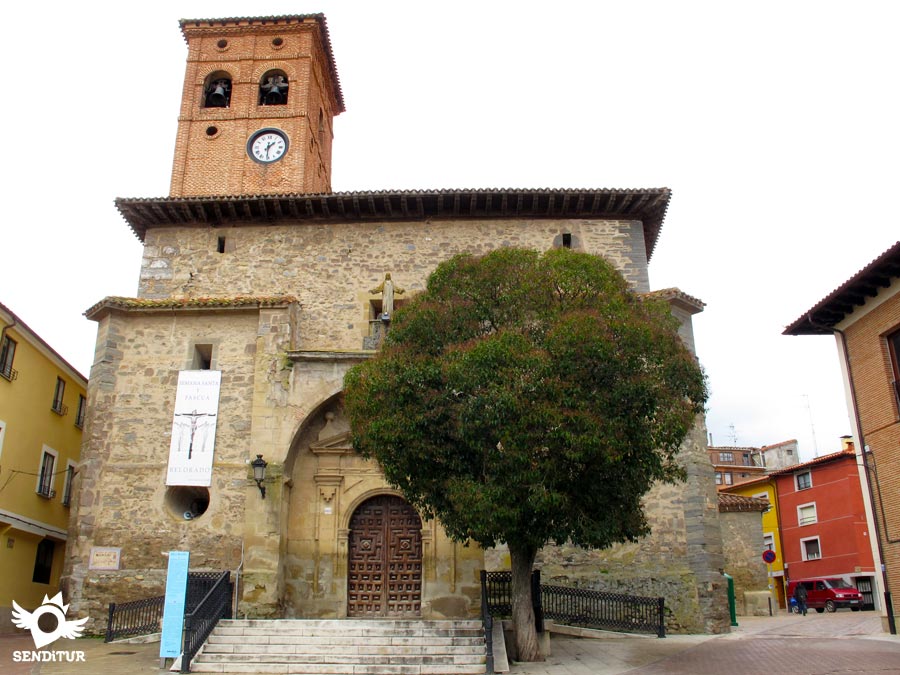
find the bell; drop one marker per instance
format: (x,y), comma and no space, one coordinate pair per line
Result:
(217,98)
(274,97)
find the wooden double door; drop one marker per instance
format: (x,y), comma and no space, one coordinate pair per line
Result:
(384,577)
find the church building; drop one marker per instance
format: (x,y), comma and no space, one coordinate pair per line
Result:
(259,288)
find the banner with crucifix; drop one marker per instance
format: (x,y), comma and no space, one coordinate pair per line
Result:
(194,428)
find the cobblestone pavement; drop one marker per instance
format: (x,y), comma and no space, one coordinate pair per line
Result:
(832,644)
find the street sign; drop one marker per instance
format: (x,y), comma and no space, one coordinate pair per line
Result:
(769,556)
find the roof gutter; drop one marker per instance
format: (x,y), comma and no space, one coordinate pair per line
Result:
(864,450)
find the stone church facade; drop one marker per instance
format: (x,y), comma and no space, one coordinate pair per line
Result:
(253,268)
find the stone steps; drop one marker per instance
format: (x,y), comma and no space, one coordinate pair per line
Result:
(344,647)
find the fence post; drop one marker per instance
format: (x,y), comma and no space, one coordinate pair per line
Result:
(109,620)
(536,601)
(661,607)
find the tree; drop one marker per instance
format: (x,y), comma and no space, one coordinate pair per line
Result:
(526,398)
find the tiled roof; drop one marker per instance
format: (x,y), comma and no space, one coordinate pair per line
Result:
(815,462)
(688,301)
(735,503)
(186,25)
(648,206)
(173,304)
(851,294)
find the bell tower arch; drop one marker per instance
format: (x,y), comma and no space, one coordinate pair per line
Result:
(259,99)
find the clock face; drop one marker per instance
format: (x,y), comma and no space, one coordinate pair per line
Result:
(267,145)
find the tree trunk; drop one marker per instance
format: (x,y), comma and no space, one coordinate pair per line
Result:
(521,561)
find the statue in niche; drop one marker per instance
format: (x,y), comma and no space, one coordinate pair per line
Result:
(387,290)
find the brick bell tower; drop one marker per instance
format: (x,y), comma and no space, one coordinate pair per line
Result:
(259,99)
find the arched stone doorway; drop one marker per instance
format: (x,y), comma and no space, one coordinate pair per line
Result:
(384,566)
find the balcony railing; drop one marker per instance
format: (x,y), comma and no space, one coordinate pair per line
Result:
(60,409)
(9,373)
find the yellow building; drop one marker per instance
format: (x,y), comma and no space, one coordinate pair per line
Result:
(42,407)
(764,488)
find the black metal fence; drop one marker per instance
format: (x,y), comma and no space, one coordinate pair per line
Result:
(577,606)
(138,617)
(142,617)
(199,623)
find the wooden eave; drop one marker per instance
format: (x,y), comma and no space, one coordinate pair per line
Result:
(853,293)
(648,206)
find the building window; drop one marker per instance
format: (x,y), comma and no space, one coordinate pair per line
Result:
(804,480)
(893,341)
(58,394)
(747,459)
(202,357)
(806,514)
(45,477)
(43,562)
(67,490)
(769,541)
(718,477)
(82,408)
(810,549)
(726,457)
(729,479)
(7,354)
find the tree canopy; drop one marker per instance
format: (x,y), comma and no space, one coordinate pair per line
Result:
(526,397)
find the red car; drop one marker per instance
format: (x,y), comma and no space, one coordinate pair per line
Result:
(827,594)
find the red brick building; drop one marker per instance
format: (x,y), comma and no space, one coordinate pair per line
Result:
(823,521)
(863,314)
(735,465)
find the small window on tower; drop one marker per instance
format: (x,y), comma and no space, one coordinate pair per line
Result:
(273,88)
(217,90)
(567,240)
(202,357)
(220,245)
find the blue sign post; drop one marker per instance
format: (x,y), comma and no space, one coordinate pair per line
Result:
(173,609)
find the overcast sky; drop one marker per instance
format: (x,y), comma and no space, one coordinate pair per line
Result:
(774,123)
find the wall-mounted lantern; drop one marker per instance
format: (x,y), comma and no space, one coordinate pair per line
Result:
(259,473)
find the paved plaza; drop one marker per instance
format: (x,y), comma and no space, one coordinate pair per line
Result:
(817,644)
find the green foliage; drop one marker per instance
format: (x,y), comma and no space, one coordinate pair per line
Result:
(525,397)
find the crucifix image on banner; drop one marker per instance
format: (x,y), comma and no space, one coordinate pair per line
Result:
(194,428)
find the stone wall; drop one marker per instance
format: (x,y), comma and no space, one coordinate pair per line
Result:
(121,494)
(743,545)
(680,560)
(329,267)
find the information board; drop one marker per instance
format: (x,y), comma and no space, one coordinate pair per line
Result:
(173,609)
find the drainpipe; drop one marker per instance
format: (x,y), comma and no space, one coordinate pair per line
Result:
(864,449)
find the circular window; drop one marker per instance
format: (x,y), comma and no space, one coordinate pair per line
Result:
(277,42)
(212,131)
(222,44)
(187,502)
